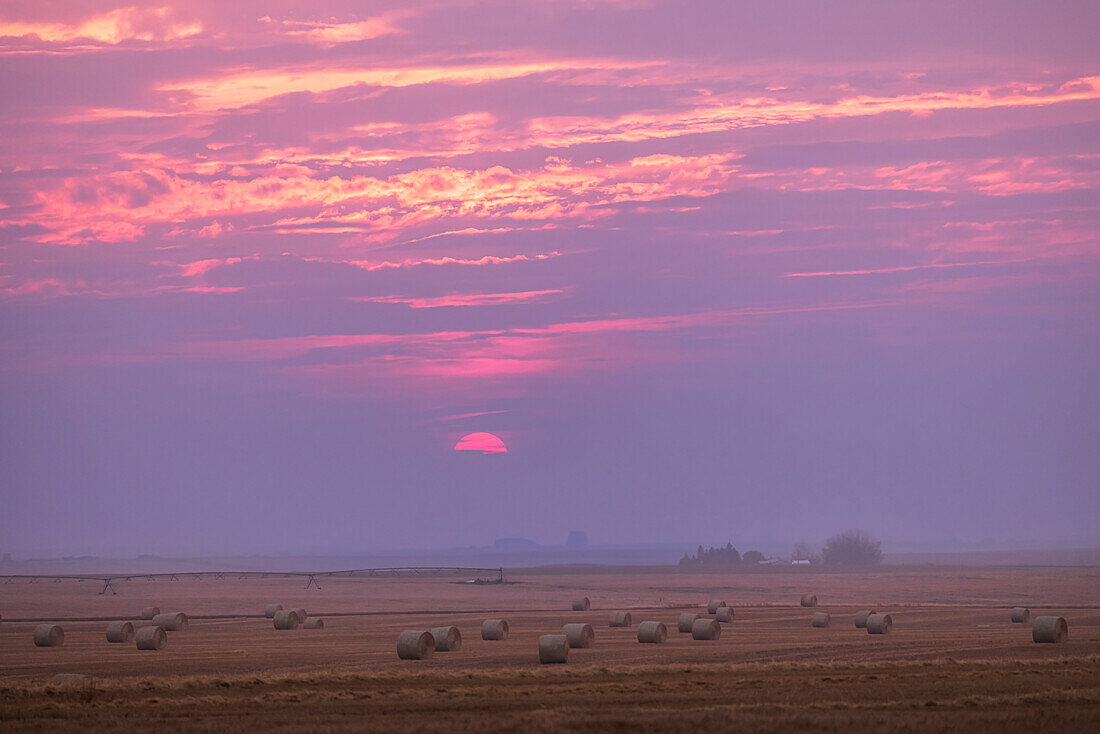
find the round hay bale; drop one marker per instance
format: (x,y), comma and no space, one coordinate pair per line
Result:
(706,629)
(151,638)
(49,635)
(620,619)
(879,624)
(1048,629)
(809,600)
(685,620)
(1021,615)
(553,649)
(270,609)
(579,634)
(70,680)
(302,616)
(149,612)
(171,621)
(120,631)
(724,614)
(820,619)
(415,645)
(582,604)
(714,604)
(652,632)
(314,623)
(286,619)
(447,639)
(861,618)
(494,629)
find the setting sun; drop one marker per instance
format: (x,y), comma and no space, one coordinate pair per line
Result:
(485,443)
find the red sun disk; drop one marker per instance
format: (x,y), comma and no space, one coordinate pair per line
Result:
(485,443)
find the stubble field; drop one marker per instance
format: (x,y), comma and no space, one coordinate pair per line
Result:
(953,661)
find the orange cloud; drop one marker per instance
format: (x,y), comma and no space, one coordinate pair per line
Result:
(111,28)
(732,112)
(380,208)
(233,89)
(331,32)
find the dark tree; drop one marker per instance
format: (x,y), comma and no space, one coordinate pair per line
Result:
(853,548)
(753,556)
(712,556)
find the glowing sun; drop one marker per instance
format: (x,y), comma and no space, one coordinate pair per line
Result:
(485,443)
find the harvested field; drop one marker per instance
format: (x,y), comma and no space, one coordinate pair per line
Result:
(950,662)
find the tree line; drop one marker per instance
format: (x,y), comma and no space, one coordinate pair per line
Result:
(727,556)
(851,548)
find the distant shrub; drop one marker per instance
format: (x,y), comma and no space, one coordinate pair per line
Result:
(853,548)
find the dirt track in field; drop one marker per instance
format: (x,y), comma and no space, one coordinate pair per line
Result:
(953,660)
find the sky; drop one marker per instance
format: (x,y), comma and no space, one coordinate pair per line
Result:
(747,271)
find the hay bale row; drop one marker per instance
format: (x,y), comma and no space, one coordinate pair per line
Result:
(553,649)
(120,631)
(149,612)
(494,629)
(724,614)
(1021,615)
(447,639)
(579,634)
(620,619)
(820,619)
(1050,629)
(685,621)
(415,645)
(861,618)
(582,605)
(171,621)
(808,600)
(713,604)
(879,624)
(270,609)
(652,632)
(286,619)
(151,638)
(706,629)
(49,635)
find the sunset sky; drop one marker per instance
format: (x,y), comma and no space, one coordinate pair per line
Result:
(748,271)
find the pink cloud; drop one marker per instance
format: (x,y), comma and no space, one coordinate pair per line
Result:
(468,299)
(371,265)
(900,269)
(202,267)
(464,416)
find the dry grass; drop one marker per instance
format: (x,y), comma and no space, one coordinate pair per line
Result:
(934,696)
(950,664)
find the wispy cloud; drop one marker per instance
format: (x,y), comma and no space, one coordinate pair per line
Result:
(467,299)
(902,268)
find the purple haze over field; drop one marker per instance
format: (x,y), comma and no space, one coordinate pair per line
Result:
(755,271)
